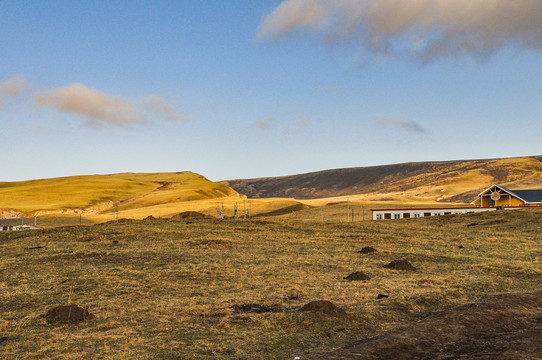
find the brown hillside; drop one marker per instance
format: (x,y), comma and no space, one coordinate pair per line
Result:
(457,181)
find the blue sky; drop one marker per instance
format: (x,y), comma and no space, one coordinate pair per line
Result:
(241,89)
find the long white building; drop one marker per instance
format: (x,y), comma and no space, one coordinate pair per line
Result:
(407,213)
(493,198)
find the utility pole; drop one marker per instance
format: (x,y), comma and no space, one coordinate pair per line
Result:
(347,210)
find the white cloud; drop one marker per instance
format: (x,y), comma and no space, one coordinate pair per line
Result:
(97,107)
(13,87)
(397,123)
(426,28)
(101,109)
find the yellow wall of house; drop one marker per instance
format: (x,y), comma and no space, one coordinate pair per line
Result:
(506,201)
(503,201)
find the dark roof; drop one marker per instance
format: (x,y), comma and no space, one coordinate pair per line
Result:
(530,196)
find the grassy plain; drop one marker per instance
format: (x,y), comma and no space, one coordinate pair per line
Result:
(169,290)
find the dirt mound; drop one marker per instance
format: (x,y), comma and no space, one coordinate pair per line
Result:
(367,250)
(400,265)
(190,215)
(498,327)
(150,218)
(324,307)
(357,276)
(67,314)
(256,308)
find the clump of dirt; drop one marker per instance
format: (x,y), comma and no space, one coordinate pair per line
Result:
(67,314)
(324,307)
(150,218)
(357,276)
(256,308)
(190,215)
(400,265)
(367,250)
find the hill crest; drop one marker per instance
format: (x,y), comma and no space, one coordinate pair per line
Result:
(92,194)
(446,181)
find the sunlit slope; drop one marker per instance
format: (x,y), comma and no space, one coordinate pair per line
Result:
(97,193)
(256,207)
(448,181)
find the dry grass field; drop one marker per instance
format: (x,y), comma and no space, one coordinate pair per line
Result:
(232,289)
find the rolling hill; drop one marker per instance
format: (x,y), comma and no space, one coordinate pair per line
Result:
(137,195)
(443,181)
(94,194)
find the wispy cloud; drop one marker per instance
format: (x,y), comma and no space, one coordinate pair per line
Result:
(424,28)
(398,123)
(101,109)
(262,124)
(304,123)
(162,109)
(13,87)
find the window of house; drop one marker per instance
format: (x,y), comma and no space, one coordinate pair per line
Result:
(416,215)
(378,216)
(396,216)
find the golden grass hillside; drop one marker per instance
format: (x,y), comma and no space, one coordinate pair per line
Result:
(423,182)
(97,193)
(233,289)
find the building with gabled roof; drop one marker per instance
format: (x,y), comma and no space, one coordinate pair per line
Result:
(497,195)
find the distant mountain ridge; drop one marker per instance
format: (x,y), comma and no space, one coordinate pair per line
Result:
(451,181)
